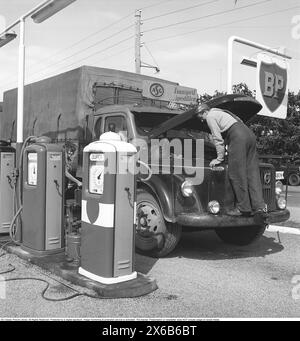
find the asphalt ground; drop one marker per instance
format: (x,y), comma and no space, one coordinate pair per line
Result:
(293,204)
(202,278)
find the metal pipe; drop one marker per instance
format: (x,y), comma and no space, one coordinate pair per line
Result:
(248,43)
(21,82)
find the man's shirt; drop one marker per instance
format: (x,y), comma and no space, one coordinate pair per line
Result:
(218,122)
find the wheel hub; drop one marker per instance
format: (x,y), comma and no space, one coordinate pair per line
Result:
(149,221)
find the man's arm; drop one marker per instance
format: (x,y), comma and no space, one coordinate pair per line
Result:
(217,137)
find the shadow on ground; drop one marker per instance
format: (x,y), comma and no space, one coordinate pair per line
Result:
(207,246)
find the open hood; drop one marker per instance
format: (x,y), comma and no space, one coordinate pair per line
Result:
(244,107)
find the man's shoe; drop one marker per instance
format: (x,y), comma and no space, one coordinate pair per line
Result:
(235,212)
(260,217)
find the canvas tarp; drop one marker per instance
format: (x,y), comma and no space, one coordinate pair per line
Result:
(58,106)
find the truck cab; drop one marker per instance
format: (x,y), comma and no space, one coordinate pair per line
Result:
(169,202)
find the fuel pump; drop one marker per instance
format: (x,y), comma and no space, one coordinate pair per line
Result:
(43,198)
(108,210)
(7,165)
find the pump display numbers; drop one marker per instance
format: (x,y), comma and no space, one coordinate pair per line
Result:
(96,173)
(32,169)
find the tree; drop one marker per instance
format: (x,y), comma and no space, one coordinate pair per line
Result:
(274,136)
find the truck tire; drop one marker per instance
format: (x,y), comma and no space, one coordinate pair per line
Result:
(294,179)
(240,236)
(154,236)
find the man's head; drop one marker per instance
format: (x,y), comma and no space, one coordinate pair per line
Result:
(203,110)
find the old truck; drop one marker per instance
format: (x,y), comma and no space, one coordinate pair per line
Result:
(76,107)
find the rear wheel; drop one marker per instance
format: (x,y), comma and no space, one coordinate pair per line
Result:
(294,179)
(240,236)
(154,236)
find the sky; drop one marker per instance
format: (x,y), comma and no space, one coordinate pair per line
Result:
(187,40)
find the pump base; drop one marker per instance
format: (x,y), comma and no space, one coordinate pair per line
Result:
(105,280)
(58,265)
(40,253)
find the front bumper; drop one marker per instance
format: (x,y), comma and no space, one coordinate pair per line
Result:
(211,221)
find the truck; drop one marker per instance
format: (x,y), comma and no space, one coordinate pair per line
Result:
(287,168)
(77,107)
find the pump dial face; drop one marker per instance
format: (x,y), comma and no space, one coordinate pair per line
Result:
(96,177)
(32,169)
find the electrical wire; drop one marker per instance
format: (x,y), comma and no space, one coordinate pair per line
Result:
(43,293)
(148,50)
(154,5)
(180,10)
(86,37)
(206,16)
(76,43)
(86,49)
(95,53)
(235,9)
(223,24)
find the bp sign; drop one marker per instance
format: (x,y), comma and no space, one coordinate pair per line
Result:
(272,86)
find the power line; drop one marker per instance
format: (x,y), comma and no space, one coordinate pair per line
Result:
(206,16)
(91,46)
(76,53)
(179,10)
(93,54)
(80,41)
(88,48)
(87,37)
(107,57)
(154,5)
(144,44)
(224,24)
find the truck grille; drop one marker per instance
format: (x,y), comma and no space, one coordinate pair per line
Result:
(267,176)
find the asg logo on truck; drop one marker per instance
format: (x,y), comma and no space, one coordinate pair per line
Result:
(157,90)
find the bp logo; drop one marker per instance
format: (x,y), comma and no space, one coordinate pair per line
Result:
(273,84)
(267,178)
(157,90)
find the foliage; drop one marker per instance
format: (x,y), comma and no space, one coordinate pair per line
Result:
(274,136)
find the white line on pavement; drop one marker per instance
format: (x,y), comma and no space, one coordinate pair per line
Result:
(283,229)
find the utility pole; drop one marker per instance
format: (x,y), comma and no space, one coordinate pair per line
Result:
(138,35)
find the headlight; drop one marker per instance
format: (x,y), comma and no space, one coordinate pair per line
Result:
(213,207)
(187,188)
(281,203)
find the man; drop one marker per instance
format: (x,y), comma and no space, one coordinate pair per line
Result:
(243,169)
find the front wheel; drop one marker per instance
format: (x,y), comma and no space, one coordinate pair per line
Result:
(294,179)
(154,236)
(240,236)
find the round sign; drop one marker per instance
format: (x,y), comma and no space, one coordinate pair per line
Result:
(157,90)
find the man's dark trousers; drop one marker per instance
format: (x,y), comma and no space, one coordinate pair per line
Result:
(243,168)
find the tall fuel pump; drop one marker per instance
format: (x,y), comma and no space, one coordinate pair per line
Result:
(108,210)
(7,165)
(43,198)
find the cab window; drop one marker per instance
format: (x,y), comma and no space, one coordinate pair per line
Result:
(116,124)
